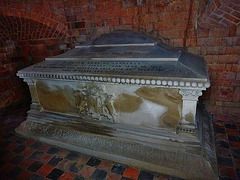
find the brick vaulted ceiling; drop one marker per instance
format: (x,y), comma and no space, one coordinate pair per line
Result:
(23,22)
(221,13)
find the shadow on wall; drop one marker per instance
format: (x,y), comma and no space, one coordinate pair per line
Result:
(12,89)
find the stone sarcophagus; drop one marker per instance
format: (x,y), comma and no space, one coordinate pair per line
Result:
(127,98)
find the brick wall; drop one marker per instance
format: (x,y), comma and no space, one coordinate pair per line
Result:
(209,28)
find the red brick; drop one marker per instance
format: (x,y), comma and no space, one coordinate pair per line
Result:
(228,59)
(231,18)
(236,67)
(223,75)
(218,32)
(223,93)
(222,117)
(236,94)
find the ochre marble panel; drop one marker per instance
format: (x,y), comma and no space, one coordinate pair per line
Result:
(127,103)
(55,98)
(144,106)
(165,97)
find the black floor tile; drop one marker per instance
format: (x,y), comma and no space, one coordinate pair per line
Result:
(35,166)
(17,159)
(125,178)
(54,161)
(238,172)
(52,150)
(8,135)
(36,155)
(225,161)
(236,153)
(3,153)
(5,144)
(19,149)
(145,176)
(94,162)
(223,144)
(219,130)
(55,174)
(36,177)
(230,126)
(14,172)
(36,145)
(234,138)
(75,168)
(99,174)
(79,177)
(118,169)
(21,140)
(72,156)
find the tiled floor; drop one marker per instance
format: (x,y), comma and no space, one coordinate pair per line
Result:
(22,158)
(227,136)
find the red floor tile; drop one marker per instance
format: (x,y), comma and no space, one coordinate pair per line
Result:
(9,156)
(28,142)
(131,173)
(45,158)
(221,125)
(87,171)
(236,162)
(45,170)
(113,176)
(13,138)
(11,146)
(26,163)
(224,152)
(25,175)
(235,144)
(62,153)
(6,168)
(221,137)
(64,165)
(106,165)
(67,176)
(26,152)
(83,159)
(226,171)
(233,132)
(44,148)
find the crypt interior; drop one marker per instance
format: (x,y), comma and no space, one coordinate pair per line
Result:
(41,136)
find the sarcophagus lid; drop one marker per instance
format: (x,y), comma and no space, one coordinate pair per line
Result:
(124,57)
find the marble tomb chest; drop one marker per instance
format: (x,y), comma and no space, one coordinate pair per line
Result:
(124,97)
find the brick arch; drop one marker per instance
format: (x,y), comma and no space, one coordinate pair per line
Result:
(17,23)
(220,14)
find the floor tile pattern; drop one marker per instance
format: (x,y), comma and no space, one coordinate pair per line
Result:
(22,158)
(227,137)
